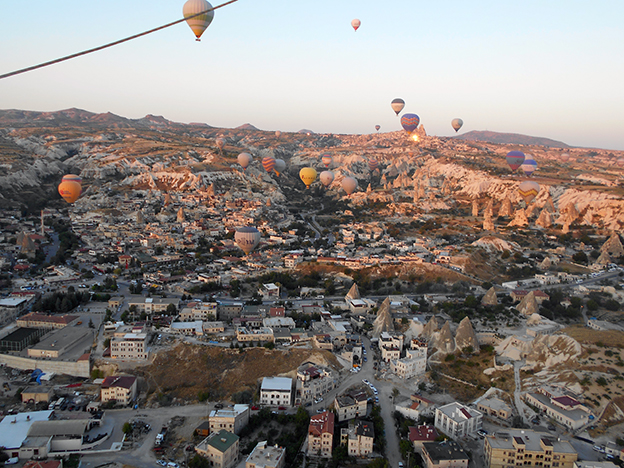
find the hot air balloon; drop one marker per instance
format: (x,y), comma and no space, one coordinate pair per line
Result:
(372,164)
(70,190)
(457,124)
(307,176)
(327,159)
(74,177)
(349,184)
(410,122)
(199,23)
(565,157)
(220,143)
(528,190)
(278,134)
(326,178)
(515,159)
(280,165)
(268,163)
(620,161)
(377,127)
(529,165)
(397,105)
(247,238)
(356,24)
(244,159)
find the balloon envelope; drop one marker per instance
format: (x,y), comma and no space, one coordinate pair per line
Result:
(349,184)
(220,143)
(529,165)
(410,122)
(247,238)
(515,159)
(327,160)
(268,163)
(372,164)
(278,134)
(457,124)
(326,178)
(244,159)
(377,127)
(69,190)
(528,190)
(397,105)
(307,176)
(74,177)
(198,24)
(356,24)
(280,165)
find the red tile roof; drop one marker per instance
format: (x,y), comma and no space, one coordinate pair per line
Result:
(422,433)
(321,424)
(123,381)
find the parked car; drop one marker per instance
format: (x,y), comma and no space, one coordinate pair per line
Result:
(255,408)
(281,408)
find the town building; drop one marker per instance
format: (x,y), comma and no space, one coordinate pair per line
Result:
(220,448)
(119,388)
(48,322)
(390,346)
(418,435)
(495,407)
(321,435)
(413,364)
(359,438)
(312,382)
(129,346)
(269,291)
(351,404)
(266,456)
(276,391)
(259,335)
(14,431)
(565,410)
(153,305)
(447,454)
(62,341)
(527,448)
(36,394)
(457,420)
(231,419)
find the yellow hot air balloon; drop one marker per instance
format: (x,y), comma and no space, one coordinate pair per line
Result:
(199,23)
(307,175)
(69,190)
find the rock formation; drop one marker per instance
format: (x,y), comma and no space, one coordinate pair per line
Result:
(544,219)
(603,260)
(383,322)
(528,305)
(490,298)
(613,246)
(475,208)
(488,224)
(465,336)
(354,292)
(140,219)
(506,208)
(180,217)
(545,264)
(430,329)
(519,219)
(443,341)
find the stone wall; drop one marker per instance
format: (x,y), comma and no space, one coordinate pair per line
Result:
(74,368)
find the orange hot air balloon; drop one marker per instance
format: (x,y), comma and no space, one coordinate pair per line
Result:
(268,163)
(327,159)
(70,190)
(307,176)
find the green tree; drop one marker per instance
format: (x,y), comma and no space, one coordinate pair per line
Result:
(126,428)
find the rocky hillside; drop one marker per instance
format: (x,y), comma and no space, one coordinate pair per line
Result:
(510,138)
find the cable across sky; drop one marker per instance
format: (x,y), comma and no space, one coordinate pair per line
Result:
(111,44)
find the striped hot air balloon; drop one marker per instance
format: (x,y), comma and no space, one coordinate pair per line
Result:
(410,122)
(515,159)
(74,177)
(198,24)
(372,164)
(397,105)
(529,165)
(268,163)
(327,159)
(528,190)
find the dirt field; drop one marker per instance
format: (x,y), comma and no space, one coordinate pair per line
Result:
(587,336)
(187,370)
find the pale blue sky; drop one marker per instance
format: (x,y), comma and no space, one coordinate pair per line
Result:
(551,68)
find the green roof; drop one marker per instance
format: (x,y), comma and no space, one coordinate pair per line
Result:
(222,440)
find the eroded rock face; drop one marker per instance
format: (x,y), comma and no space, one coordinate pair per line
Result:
(550,350)
(354,292)
(443,341)
(490,298)
(528,305)
(520,219)
(465,336)
(544,219)
(383,322)
(430,329)
(613,246)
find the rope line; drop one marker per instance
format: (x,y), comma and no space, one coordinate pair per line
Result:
(111,44)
